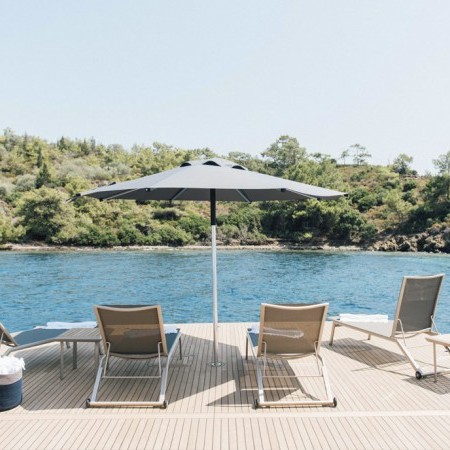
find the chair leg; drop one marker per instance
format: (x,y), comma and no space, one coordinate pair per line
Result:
(331,401)
(162,390)
(435,361)
(98,380)
(332,333)
(326,381)
(259,379)
(419,371)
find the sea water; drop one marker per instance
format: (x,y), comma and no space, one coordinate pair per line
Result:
(39,287)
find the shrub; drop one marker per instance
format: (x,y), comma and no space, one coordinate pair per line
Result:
(94,235)
(167,214)
(46,216)
(166,234)
(228,233)
(6,188)
(409,185)
(363,199)
(8,232)
(25,182)
(197,226)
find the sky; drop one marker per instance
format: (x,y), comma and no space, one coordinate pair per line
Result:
(232,75)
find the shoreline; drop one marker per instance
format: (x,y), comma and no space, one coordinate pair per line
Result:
(275,246)
(145,248)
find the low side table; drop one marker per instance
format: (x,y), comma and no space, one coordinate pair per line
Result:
(439,339)
(74,336)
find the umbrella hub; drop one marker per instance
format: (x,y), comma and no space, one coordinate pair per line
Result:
(219,162)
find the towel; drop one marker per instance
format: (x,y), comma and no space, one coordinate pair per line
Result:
(366,318)
(10,365)
(69,325)
(170,329)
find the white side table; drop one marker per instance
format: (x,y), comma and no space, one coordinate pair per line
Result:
(74,336)
(439,339)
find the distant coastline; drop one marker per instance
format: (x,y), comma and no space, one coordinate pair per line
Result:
(148,248)
(434,240)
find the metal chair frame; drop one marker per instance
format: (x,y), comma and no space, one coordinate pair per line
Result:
(398,336)
(261,356)
(162,374)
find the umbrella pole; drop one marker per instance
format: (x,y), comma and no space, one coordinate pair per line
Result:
(216,362)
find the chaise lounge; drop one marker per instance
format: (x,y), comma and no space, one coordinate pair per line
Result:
(28,338)
(415,314)
(134,333)
(289,332)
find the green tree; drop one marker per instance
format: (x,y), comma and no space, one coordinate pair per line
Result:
(62,145)
(10,139)
(199,153)
(40,158)
(397,206)
(442,164)
(248,161)
(324,174)
(46,216)
(363,198)
(285,152)
(8,232)
(360,154)
(401,164)
(344,155)
(321,157)
(43,178)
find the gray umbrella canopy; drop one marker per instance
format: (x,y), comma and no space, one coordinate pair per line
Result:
(193,180)
(211,180)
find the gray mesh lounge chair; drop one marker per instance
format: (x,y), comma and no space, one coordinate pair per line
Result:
(134,332)
(289,332)
(28,338)
(416,308)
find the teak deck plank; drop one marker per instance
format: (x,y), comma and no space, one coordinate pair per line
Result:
(380,403)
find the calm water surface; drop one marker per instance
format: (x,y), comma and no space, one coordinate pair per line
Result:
(39,287)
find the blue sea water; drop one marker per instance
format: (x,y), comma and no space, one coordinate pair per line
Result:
(38,287)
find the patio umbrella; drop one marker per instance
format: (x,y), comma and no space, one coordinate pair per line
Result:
(211,180)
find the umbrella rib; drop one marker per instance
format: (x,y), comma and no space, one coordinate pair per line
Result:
(243,196)
(120,194)
(180,192)
(302,194)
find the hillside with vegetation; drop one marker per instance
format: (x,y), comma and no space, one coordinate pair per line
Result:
(387,207)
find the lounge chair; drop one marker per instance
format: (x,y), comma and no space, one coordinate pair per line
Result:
(134,332)
(415,313)
(28,338)
(289,332)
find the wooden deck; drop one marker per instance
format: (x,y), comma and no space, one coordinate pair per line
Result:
(380,403)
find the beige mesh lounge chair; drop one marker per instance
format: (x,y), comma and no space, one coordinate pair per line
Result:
(28,338)
(289,332)
(416,308)
(134,332)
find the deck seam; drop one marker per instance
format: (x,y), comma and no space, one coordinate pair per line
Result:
(224,415)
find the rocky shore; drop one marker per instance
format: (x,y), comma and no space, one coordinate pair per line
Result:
(272,246)
(434,240)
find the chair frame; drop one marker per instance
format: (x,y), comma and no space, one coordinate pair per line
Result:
(400,337)
(6,338)
(260,355)
(163,369)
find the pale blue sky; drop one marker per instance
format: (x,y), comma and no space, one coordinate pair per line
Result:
(231,75)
